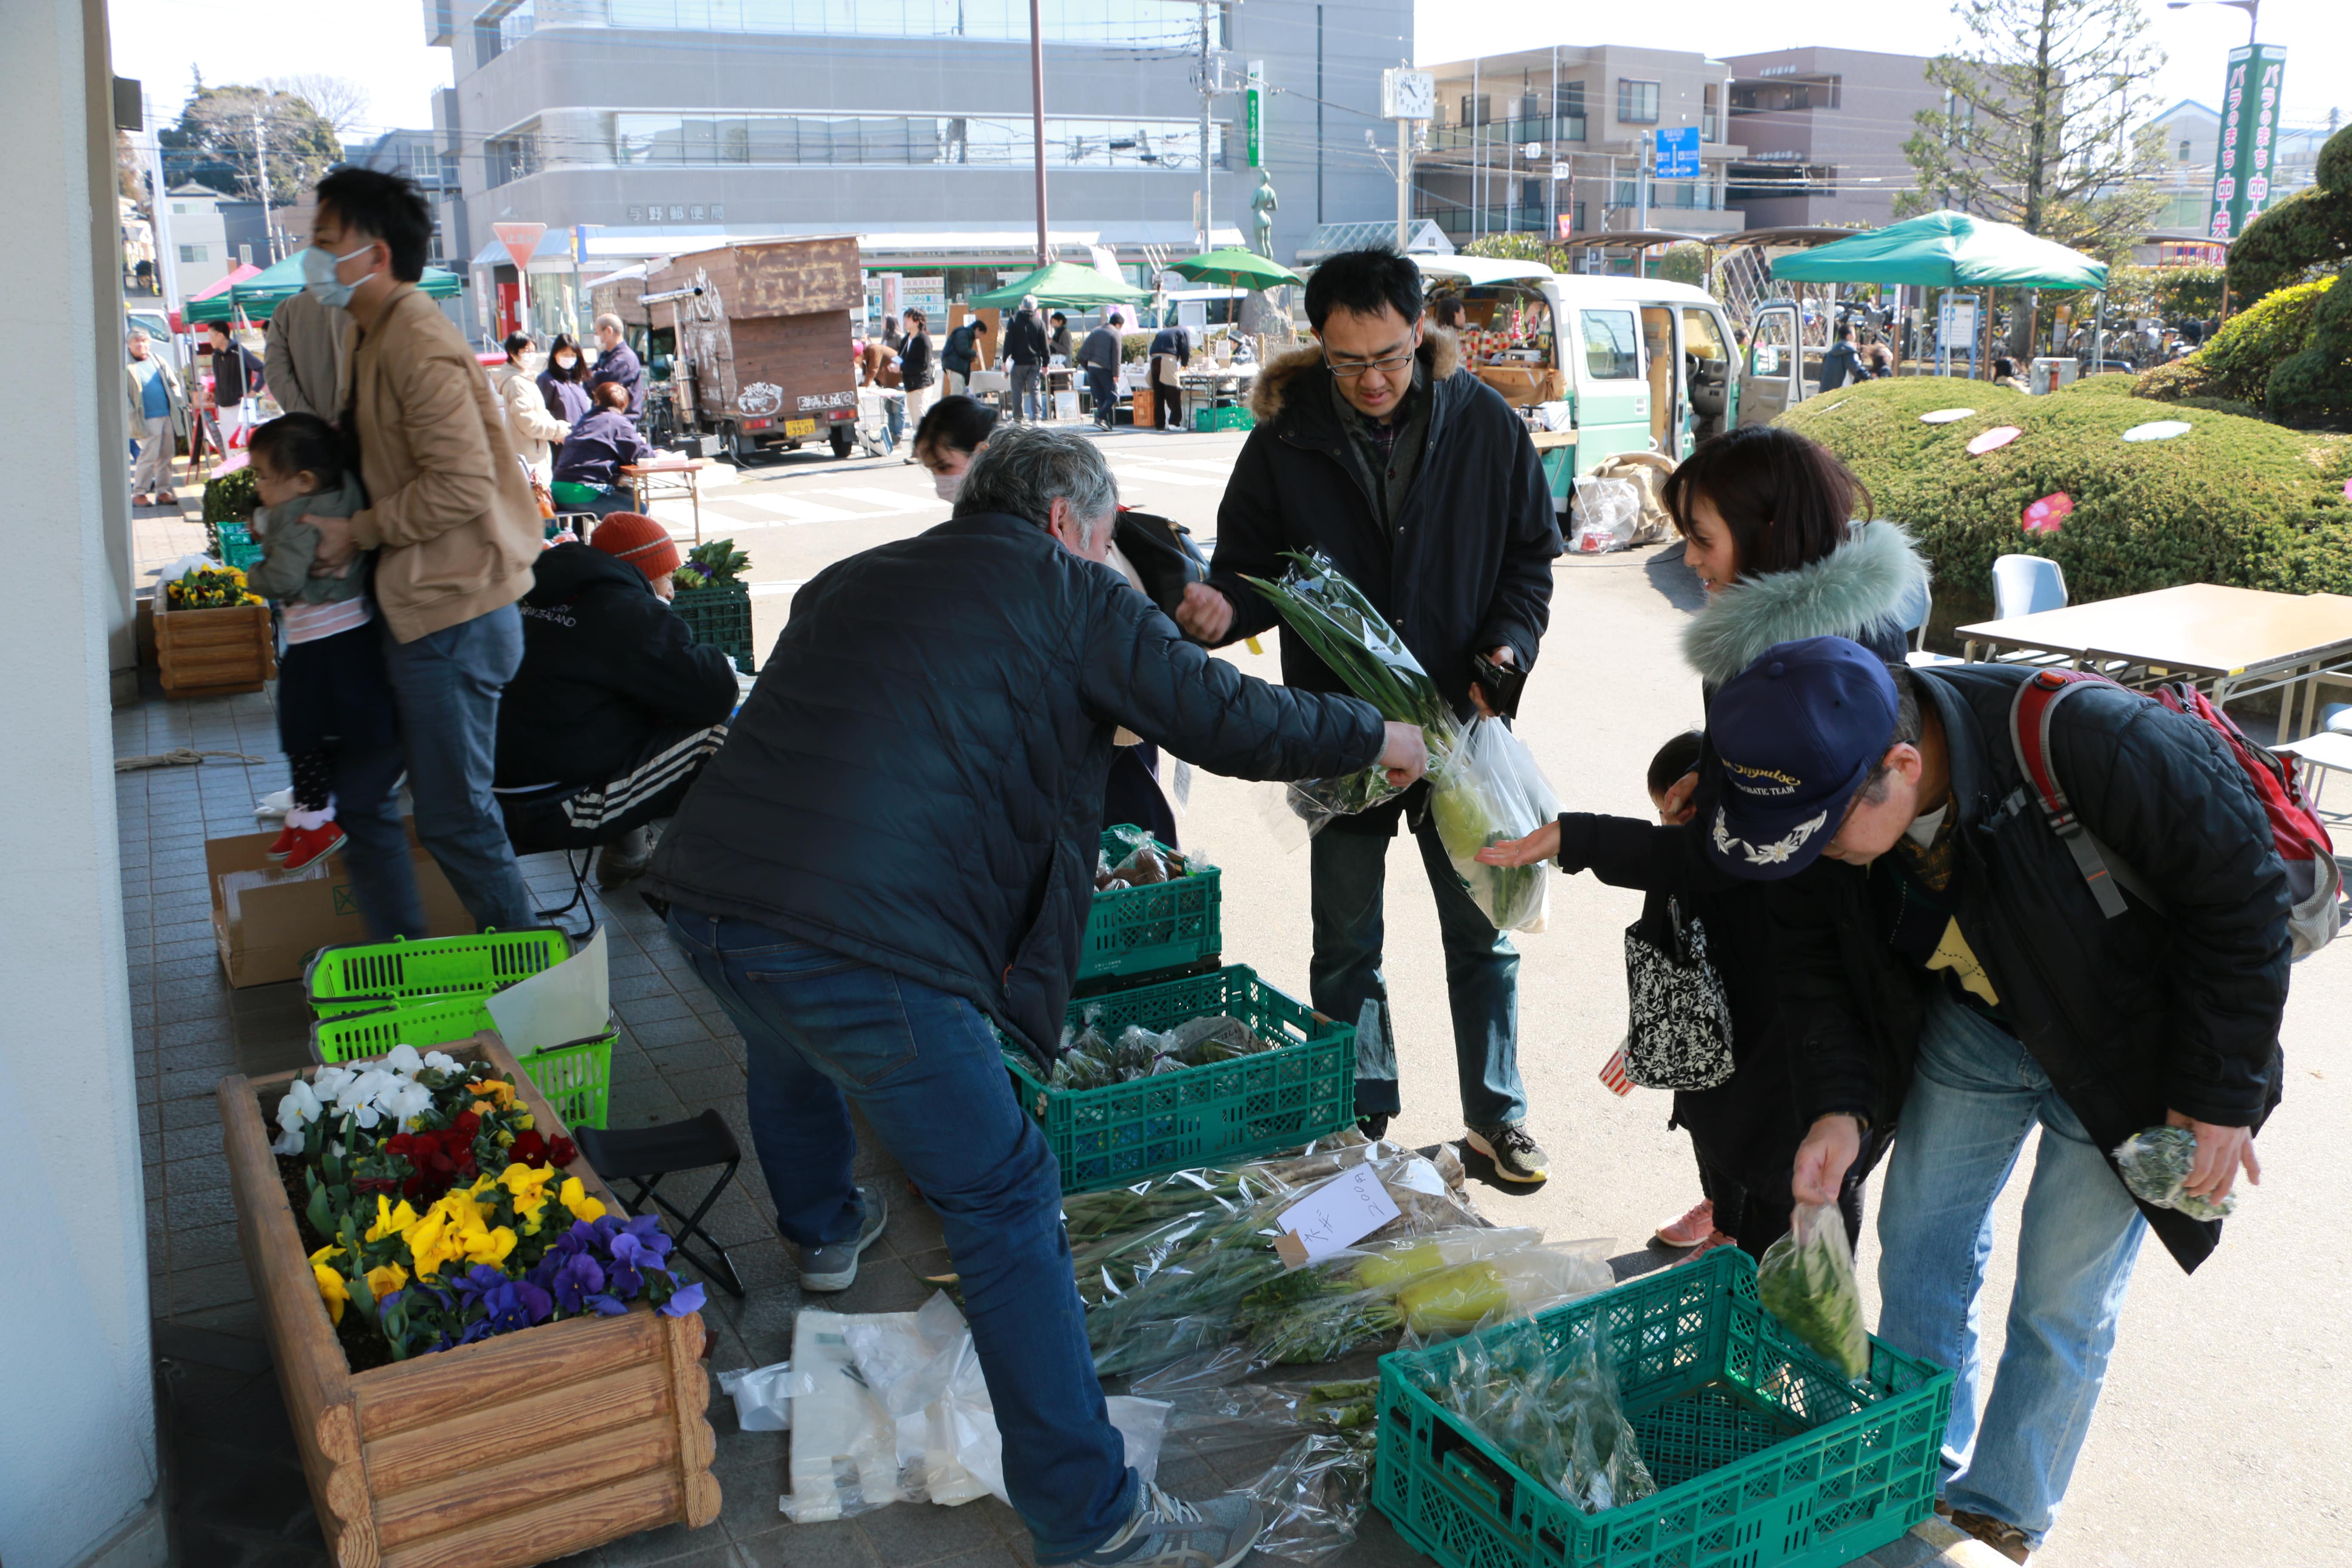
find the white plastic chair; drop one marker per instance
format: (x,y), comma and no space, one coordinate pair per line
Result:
(2026,586)
(1915,613)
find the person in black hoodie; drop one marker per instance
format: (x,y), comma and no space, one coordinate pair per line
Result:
(1025,349)
(616,708)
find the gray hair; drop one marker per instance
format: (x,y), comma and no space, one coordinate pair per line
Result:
(1028,301)
(1025,470)
(608,320)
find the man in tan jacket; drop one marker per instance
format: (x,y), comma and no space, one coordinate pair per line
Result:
(450,517)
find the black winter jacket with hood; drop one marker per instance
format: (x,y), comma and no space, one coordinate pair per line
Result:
(605,667)
(916,780)
(1469,565)
(2130,1017)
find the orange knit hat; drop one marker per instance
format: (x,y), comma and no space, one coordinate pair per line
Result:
(639,541)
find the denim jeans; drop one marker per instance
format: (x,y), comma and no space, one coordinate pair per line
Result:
(448,684)
(1975,1094)
(1102,391)
(1482,976)
(375,845)
(821,1030)
(1028,392)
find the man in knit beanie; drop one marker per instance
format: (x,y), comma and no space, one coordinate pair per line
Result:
(616,707)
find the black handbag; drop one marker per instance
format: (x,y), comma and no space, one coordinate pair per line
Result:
(1163,555)
(1678,1033)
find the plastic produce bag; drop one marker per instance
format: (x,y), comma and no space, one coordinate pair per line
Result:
(1807,1282)
(2156,1164)
(1557,1418)
(762,1396)
(1501,1284)
(1315,1491)
(1490,790)
(1607,514)
(1318,802)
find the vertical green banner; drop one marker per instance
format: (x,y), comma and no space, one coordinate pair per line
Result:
(2249,110)
(1254,101)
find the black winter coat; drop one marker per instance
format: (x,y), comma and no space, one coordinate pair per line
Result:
(604,666)
(1025,338)
(1470,565)
(916,780)
(916,370)
(2130,1017)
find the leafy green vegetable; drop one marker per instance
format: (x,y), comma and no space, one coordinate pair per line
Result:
(2156,1165)
(1807,1282)
(716,563)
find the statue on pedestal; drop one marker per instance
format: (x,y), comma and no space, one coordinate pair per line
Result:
(1262,202)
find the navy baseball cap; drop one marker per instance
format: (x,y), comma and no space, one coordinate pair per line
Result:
(1797,732)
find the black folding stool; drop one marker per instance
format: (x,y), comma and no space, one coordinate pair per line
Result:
(647,1155)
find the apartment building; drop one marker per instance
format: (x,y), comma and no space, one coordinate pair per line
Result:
(1823,131)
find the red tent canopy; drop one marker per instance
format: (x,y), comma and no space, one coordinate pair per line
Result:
(245,269)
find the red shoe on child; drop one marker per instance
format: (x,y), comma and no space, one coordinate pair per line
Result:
(283,845)
(310,843)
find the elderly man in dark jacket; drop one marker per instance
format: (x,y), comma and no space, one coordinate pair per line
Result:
(1945,962)
(1418,482)
(616,708)
(894,850)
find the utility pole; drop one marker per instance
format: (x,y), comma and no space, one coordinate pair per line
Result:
(261,182)
(1404,185)
(1208,98)
(1037,105)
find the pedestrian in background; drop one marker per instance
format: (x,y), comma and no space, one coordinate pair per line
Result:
(235,371)
(536,432)
(1025,355)
(1171,350)
(303,357)
(451,519)
(961,353)
(618,362)
(159,414)
(917,368)
(564,383)
(1099,357)
(1057,342)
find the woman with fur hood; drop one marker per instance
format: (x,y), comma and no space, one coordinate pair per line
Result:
(1766,517)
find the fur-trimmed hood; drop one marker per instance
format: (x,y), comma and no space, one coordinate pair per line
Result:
(1863,586)
(1441,355)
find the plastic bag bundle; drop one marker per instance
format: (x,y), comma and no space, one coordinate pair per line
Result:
(1316,1490)
(762,1396)
(2156,1163)
(1806,1280)
(1558,1418)
(1487,790)
(1088,1061)
(1608,513)
(1318,802)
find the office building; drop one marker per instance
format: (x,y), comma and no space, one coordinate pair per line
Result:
(199,238)
(420,155)
(1824,130)
(1562,141)
(636,129)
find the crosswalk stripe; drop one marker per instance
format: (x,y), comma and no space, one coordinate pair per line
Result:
(799,510)
(1219,470)
(888,501)
(1154,474)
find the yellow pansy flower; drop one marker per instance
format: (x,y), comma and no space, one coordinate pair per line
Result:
(523,1122)
(390,1221)
(429,1242)
(487,1245)
(574,1196)
(497,1091)
(383,1281)
(324,1253)
(331,1287)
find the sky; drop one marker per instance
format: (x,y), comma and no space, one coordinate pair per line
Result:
(380,43)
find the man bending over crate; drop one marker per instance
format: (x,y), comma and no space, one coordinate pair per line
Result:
(894,851)
(1948,957)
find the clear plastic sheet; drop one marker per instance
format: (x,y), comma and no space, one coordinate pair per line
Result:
(1559,1417)
(1316,1488)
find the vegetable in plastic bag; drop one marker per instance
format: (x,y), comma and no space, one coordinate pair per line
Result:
(1315,1492)
(2156,1163)
(1807,1282)
(1491,790)
(1558,1417)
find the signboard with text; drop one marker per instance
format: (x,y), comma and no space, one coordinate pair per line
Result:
(2241,168)
(1678,153)
(1254,105)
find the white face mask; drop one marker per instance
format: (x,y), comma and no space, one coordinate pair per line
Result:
(947,485)
(565,362)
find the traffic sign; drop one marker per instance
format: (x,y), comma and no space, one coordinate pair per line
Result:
(521,239)
(1678,153)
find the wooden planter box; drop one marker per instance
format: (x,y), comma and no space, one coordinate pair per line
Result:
(515,1450)
(213,653)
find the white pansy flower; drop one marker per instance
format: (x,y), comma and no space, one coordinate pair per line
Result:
(403,1061)
(299,1107)
(409,1100)
(287,1143)
(441,1061)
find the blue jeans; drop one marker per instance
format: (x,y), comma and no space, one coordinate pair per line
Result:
(821,1030)
(1975,1094)
(1482,976)
(1102,391)
(1028,392)
(375,845)
(448,684)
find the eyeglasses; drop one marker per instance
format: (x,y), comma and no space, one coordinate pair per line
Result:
(1387,364)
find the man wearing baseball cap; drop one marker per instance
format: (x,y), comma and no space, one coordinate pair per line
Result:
(1950,977)
(616,707)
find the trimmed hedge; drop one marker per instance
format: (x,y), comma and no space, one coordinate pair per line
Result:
(2251,345)
(2236,501)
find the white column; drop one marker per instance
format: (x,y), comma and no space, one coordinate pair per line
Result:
(78,1469)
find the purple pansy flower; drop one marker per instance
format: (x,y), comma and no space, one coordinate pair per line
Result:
(689,1299)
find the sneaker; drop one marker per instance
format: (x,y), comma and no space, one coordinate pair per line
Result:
(834,1267)
(1167,1532)
(1688,1231)
(283,845)
(1713,1239)
(1375,1126)
(310,843)
(1999,1534)
(1517,1155)
(623,859)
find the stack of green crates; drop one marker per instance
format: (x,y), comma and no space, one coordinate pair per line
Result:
(369,997)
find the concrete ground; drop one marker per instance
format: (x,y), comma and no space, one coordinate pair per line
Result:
(2222,1438)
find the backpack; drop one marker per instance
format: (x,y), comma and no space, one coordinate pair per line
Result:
(2314,882)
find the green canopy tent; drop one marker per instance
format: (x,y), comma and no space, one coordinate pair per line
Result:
(1234,267)
(1945,250)
(1063,285)
(261,294)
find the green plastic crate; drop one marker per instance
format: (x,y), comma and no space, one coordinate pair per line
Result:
(1216,1115)
(1764,1456)
(721,616)
(362,976)
(1234,418)
(1166,927)
(234,545)
(577,1079)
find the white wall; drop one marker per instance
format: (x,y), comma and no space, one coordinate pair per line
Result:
(78,1441)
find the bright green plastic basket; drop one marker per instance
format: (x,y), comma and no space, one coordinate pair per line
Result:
(1160,929)
(362,976)
(1764,1456)
(577,1079)
(1216,1115)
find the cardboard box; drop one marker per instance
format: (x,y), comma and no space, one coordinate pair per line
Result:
(267,921)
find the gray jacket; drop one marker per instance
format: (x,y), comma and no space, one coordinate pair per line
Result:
(288,545)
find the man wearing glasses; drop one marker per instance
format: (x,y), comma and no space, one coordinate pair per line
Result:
(1378,449)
